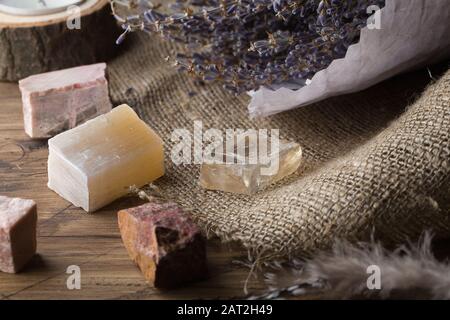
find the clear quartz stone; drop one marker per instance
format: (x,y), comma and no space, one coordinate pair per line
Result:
(246,177)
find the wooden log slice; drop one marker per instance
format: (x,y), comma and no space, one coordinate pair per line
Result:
(36,44)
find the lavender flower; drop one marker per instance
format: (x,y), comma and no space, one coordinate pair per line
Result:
(246,44)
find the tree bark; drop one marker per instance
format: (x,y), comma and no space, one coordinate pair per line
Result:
(31,48)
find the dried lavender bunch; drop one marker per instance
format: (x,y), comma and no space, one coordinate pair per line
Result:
(246,44)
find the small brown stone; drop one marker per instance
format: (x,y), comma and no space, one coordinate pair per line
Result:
(18,219)
(165,243)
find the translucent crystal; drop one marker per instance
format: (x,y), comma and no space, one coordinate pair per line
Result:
(96,163)
(247,177)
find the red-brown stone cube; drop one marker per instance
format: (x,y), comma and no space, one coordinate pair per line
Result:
(18,219)
(165,243)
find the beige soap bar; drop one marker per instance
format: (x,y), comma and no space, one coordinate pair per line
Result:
(96,163)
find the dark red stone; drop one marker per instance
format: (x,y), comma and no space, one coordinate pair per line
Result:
(165,243)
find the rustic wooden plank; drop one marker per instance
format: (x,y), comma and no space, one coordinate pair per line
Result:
(107,273)
(68,236)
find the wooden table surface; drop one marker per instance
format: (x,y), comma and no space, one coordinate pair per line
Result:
(69,236)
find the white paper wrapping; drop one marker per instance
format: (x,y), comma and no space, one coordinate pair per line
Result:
(413,33)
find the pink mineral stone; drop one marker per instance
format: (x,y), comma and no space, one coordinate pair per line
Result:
(56,101)
(18,219)
(165,243)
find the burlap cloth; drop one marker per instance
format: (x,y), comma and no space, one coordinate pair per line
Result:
(373,162)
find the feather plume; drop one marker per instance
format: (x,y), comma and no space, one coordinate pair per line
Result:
(409,272)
